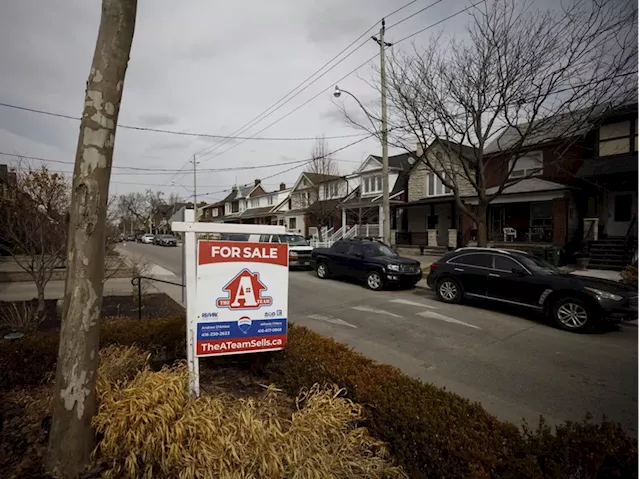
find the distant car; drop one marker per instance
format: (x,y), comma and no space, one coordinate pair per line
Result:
(147,239)
(167,240)
(139,238)
(131,237)
(574,303)
(156,239)
(299,248)
(370,261)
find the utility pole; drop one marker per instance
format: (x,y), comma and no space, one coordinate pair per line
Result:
(386,215)
(195,196)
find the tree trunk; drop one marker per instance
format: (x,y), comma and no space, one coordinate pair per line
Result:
(481,222)
(41,305)
(74,401)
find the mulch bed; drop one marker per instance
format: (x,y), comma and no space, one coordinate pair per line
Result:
(157,305)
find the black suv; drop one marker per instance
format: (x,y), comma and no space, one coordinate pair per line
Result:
(370,261)
(574,302)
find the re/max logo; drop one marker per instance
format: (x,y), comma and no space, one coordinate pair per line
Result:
(209,315)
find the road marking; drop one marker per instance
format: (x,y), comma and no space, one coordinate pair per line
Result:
(331,319)
(442,317)
(367,309)
(411,303)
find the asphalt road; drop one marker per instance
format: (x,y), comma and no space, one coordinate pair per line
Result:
(511,361)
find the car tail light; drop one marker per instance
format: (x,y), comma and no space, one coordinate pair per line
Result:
(433,266)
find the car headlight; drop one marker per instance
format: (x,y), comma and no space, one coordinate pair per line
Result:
(393,267)
(604,294)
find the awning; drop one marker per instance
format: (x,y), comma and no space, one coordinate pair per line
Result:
(531,189)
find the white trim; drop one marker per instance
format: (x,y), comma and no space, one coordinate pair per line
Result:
(390,197)
(365,162)
(520,197)
(185,226)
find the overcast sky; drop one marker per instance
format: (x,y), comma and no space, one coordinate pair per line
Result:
(201,67)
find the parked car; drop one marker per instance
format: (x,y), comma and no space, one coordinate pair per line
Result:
(147,239)
(168,240)
(370,261)
(574,303)
(299,248)
(131,237)
(156,239)
(139,238)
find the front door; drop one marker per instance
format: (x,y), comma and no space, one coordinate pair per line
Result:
(472,270)
(523,288)
(621,208)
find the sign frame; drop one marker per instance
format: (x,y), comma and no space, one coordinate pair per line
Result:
(190,227)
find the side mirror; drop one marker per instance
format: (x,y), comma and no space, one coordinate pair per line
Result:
(518,271)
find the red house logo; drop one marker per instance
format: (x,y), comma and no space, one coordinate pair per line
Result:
(244,291)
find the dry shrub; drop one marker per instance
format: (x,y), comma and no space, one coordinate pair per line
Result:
(119,363)
(152,428)
(21,317)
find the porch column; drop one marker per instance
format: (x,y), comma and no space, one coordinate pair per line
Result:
(380,214)
(560,221)
(344,218)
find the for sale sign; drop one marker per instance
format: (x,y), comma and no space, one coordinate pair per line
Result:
(242,297)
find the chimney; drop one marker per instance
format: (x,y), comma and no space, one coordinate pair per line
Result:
(283,187)
(419,150)
(256,182)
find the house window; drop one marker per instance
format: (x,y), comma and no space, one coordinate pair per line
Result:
(254,203)
(622,207)
(269,200)
(435,187)
(215,212)
(235,206)
(330,190)
(227,208)
(372,184)
(527,165)
(618,138)
(292,223)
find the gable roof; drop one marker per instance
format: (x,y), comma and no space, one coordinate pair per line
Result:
(316,178)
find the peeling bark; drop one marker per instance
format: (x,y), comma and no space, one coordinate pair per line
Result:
(74,403)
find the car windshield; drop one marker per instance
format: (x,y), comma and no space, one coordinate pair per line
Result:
(378,249)
(293,240)
(539,266)
(168,237)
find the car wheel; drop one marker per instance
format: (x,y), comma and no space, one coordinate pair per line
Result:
(449,290)
(322,271)
(572,314)
(375,281)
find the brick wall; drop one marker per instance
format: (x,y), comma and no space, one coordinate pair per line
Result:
(560,207)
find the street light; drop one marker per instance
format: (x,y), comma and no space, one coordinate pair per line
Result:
(386,233)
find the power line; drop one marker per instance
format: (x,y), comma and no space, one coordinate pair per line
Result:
(161,171)
(355,69)
(309,160)
(288,97)
(174,132)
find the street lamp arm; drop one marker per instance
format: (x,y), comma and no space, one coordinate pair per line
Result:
(361,106)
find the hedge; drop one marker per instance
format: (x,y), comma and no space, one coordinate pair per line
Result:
(430,432)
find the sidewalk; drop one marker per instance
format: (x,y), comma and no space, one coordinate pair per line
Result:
(24,291)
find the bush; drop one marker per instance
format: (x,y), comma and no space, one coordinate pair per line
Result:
(430,432)
(29,361)
(221,436)
(630,275)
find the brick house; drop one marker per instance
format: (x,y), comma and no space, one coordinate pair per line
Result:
(246,205)
(588,179)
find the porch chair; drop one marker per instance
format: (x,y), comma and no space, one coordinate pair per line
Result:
(509,233)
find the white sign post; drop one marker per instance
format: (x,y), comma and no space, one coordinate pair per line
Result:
(236,292)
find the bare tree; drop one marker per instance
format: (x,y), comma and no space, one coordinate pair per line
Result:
(520,77)
(141,210)
(73,404)
(316,198)
(33,226)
